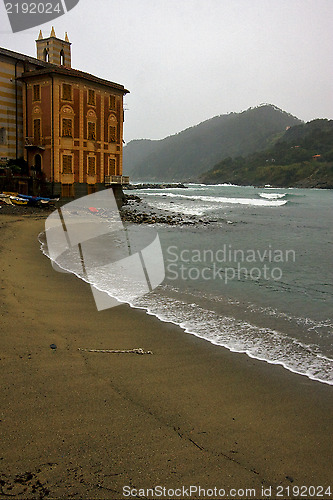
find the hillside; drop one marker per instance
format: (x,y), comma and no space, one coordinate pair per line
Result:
(302,157)
(186,155)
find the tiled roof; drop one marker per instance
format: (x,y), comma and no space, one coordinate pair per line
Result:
(22,57)
(74,73)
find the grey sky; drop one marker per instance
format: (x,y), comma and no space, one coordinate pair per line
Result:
(185,61)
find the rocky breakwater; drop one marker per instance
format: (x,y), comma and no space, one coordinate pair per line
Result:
(137,212)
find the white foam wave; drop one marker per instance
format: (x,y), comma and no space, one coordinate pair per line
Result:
(193,184)
(263,344)
(272,196)
(222,200)
(180,208)
(225,184)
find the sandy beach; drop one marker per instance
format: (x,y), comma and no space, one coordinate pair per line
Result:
(78,424)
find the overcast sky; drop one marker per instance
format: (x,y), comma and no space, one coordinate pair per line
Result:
(185,61)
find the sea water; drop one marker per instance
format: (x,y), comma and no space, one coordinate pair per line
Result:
(254,275)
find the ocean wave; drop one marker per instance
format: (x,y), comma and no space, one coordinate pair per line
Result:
(225,184)
(224,200)
(180,208)
(272,196)
(240,336)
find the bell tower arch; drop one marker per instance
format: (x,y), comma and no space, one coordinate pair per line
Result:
(54,50)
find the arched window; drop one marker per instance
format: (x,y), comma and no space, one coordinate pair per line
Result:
(91,125)
(112,125)
(62,58)
(91,131)
(37,126)
(67,122)
(46,55)
(67,127)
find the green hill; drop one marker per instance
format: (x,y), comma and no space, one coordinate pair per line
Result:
(302,157)
(186,155)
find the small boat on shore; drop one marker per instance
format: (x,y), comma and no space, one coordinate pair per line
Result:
(18,201)
(5,199)
(10,198)
(37,200)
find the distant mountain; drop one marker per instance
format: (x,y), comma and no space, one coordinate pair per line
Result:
(186,155)
(302,157)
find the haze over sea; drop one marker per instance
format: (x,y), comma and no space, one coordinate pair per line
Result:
(256,279)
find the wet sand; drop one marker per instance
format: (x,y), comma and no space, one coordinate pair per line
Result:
(78,424)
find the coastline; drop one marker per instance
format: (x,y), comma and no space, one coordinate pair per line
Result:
(88,424)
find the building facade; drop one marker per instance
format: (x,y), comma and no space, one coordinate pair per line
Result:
(67,124)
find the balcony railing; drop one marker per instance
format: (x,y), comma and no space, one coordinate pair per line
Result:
(116,179)
(32,142)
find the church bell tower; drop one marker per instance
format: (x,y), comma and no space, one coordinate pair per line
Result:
(54,50)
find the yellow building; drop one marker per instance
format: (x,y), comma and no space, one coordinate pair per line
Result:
(67,124)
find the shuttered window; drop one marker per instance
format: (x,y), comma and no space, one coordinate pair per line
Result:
(67,167)
(91,97)
(112,102)
(36,92)
(91,131)
(91,165)
(66,92)
(112,166)
(67,127)
(112,134)
(37,131)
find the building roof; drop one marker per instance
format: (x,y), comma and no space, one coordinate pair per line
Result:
(48,68)
(22,57)
(73,73)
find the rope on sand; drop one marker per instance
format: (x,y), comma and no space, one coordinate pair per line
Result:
(139,350)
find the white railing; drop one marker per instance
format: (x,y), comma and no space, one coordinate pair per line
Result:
(116,179)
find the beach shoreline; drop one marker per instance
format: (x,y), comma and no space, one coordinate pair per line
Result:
(88,425)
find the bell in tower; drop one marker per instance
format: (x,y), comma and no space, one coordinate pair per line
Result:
(54,50)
